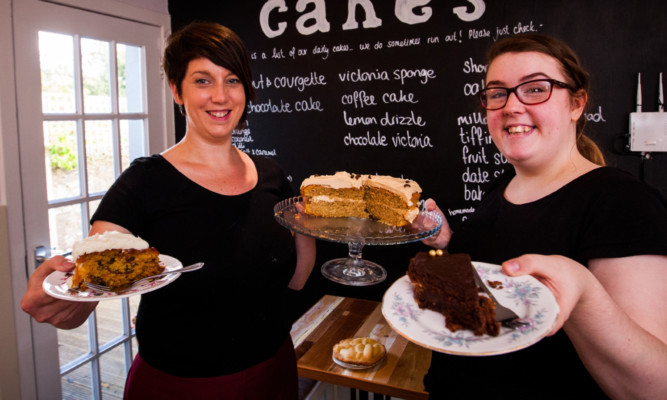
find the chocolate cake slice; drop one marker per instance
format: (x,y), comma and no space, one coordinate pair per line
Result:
(445,283)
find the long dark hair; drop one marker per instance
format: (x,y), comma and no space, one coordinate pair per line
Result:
(213,41)
(577,77)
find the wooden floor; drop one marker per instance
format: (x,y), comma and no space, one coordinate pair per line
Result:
(73,343)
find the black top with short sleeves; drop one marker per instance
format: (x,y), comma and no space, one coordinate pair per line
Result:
(232,313)
(605,213)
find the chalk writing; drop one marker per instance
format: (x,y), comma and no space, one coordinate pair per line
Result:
(478,33)
(242,137)
(476,136)
(283,106)
(460,211)
(407,140)
(354,121)
(399,97)
(405,120)
(470,156)
(265,153)
(299,83)
(363,76)
(315,20)
(323,50)
(474,118)
(269,107)
(454,37)
(378,139)
(358,98)
(403,43)
(596,116)
(471,67)
(422,75)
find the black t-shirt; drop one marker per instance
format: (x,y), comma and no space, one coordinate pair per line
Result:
(603,214)
(232,313)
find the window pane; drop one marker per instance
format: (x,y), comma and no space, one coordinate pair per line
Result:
(130,78)
(78,383)
(56,60)
(60,158)
(65,227)
(92,207)
(96,76)
(132,140)
(134,307)
(72,343)
(99,155)
(135,347)
(112,374)
(109,320)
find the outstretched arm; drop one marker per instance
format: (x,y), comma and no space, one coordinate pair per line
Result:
(613,314)
(62,314)
(305,250)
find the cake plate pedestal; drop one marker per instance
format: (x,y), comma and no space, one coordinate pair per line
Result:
(356,232)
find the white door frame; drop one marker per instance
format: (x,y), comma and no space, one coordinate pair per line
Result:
(28,333)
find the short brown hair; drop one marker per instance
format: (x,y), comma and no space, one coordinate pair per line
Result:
(212,41)
(575,74)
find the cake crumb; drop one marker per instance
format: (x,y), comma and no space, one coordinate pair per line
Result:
(495,284)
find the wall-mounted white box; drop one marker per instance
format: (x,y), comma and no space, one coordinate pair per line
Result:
(648,131)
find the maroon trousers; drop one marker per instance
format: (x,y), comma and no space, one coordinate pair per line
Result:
(275,379)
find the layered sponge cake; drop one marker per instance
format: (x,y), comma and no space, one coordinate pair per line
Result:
(393,201)
(113,259)
(445,283)
(338,195)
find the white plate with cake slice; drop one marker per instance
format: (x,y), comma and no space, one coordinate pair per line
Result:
(525,295)
(59,284)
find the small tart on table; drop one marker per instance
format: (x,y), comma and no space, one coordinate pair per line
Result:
(359,351)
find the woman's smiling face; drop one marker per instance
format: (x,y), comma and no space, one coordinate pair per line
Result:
(531,134)
(214,99)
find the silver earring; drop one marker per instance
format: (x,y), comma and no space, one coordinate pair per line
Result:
(181,109)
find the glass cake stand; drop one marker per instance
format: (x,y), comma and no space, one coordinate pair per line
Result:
(356,232)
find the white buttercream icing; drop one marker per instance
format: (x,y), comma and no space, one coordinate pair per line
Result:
(412,214)
(107,240)
(329,199)
(324,199)
(339,180)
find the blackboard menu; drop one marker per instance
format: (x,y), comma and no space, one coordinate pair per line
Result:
(390,87)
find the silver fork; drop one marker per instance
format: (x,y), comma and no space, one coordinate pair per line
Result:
(504,315)
(105,289)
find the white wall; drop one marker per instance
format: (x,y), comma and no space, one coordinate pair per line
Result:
(9,376)
(154,5)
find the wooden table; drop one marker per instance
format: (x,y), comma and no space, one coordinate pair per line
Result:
(334,318)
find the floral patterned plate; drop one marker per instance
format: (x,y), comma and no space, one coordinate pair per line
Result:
(528,297)
(58,284)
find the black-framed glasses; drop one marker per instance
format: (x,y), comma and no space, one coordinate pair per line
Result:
(532,92)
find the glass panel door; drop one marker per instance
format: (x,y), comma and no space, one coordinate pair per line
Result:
(83,155)
(98,91)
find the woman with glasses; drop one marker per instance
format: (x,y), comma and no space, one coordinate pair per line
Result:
(594,235)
